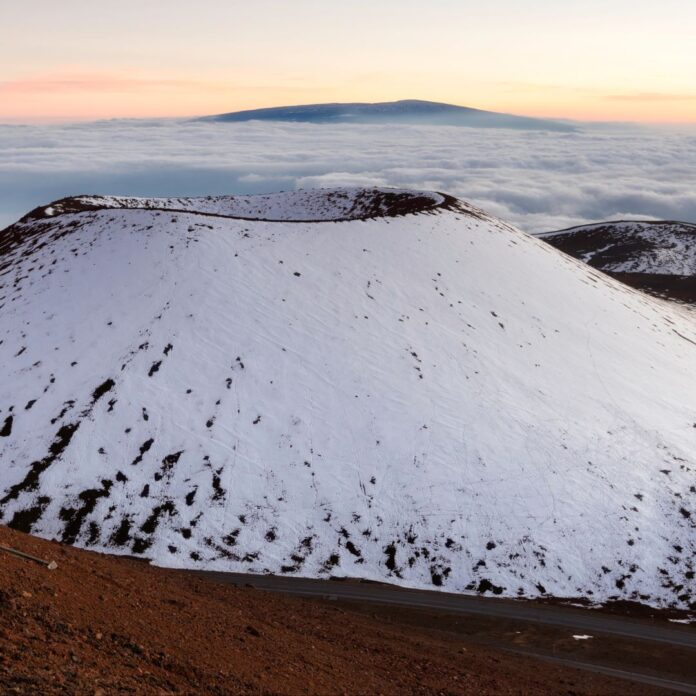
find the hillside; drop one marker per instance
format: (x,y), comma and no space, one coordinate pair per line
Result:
(102,625)
(417,393)
(657,257)
(407,111)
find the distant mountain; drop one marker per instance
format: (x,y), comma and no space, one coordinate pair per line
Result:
(374,383)
(410,111)
(657,257)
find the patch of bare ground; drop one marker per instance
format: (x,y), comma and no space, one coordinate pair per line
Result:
(629,655)
(106,625)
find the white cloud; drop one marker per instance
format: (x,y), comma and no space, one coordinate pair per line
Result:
(538,181)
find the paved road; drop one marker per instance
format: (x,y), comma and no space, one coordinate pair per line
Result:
(575,619)
(579,620)
(667,684)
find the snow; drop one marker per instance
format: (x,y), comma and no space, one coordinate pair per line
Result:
(637,247)
(582,637)
(584,606)
(314,205)
(436,400)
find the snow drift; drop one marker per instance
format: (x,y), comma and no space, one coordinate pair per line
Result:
(416,393)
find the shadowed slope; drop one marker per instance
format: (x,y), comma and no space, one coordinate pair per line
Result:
(657,257)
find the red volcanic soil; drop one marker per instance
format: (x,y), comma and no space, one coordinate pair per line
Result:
(102,625)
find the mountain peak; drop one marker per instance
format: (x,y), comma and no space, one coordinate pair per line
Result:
(280,385)
(404,111)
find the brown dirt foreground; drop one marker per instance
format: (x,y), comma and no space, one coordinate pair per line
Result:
(102,625)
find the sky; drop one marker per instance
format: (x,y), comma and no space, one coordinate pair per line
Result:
(537,180)
(599,60)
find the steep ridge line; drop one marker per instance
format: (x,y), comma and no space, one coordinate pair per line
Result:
(626,221)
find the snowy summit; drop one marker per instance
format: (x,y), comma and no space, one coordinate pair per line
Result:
(383,384)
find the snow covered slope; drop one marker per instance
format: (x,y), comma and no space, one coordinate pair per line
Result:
(435,399)
(659,257)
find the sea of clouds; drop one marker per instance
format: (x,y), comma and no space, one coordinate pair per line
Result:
(539,181)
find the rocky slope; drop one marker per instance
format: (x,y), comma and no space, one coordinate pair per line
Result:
(657,257)
(100,625)
(421,394)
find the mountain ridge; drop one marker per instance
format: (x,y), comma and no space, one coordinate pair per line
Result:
(407,111)
(658,257)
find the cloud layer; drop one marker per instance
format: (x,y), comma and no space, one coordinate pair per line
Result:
(538,181)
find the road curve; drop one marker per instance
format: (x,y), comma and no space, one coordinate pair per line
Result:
(578,620)
(648,679)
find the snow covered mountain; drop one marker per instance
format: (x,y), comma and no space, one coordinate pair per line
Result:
(658,257)
(411,111)
(415,393)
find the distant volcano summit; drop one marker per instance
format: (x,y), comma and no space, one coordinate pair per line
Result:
(408,111)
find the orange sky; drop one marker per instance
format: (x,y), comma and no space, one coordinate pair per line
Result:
(611,60)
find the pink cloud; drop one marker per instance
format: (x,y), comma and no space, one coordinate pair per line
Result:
(95,83)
